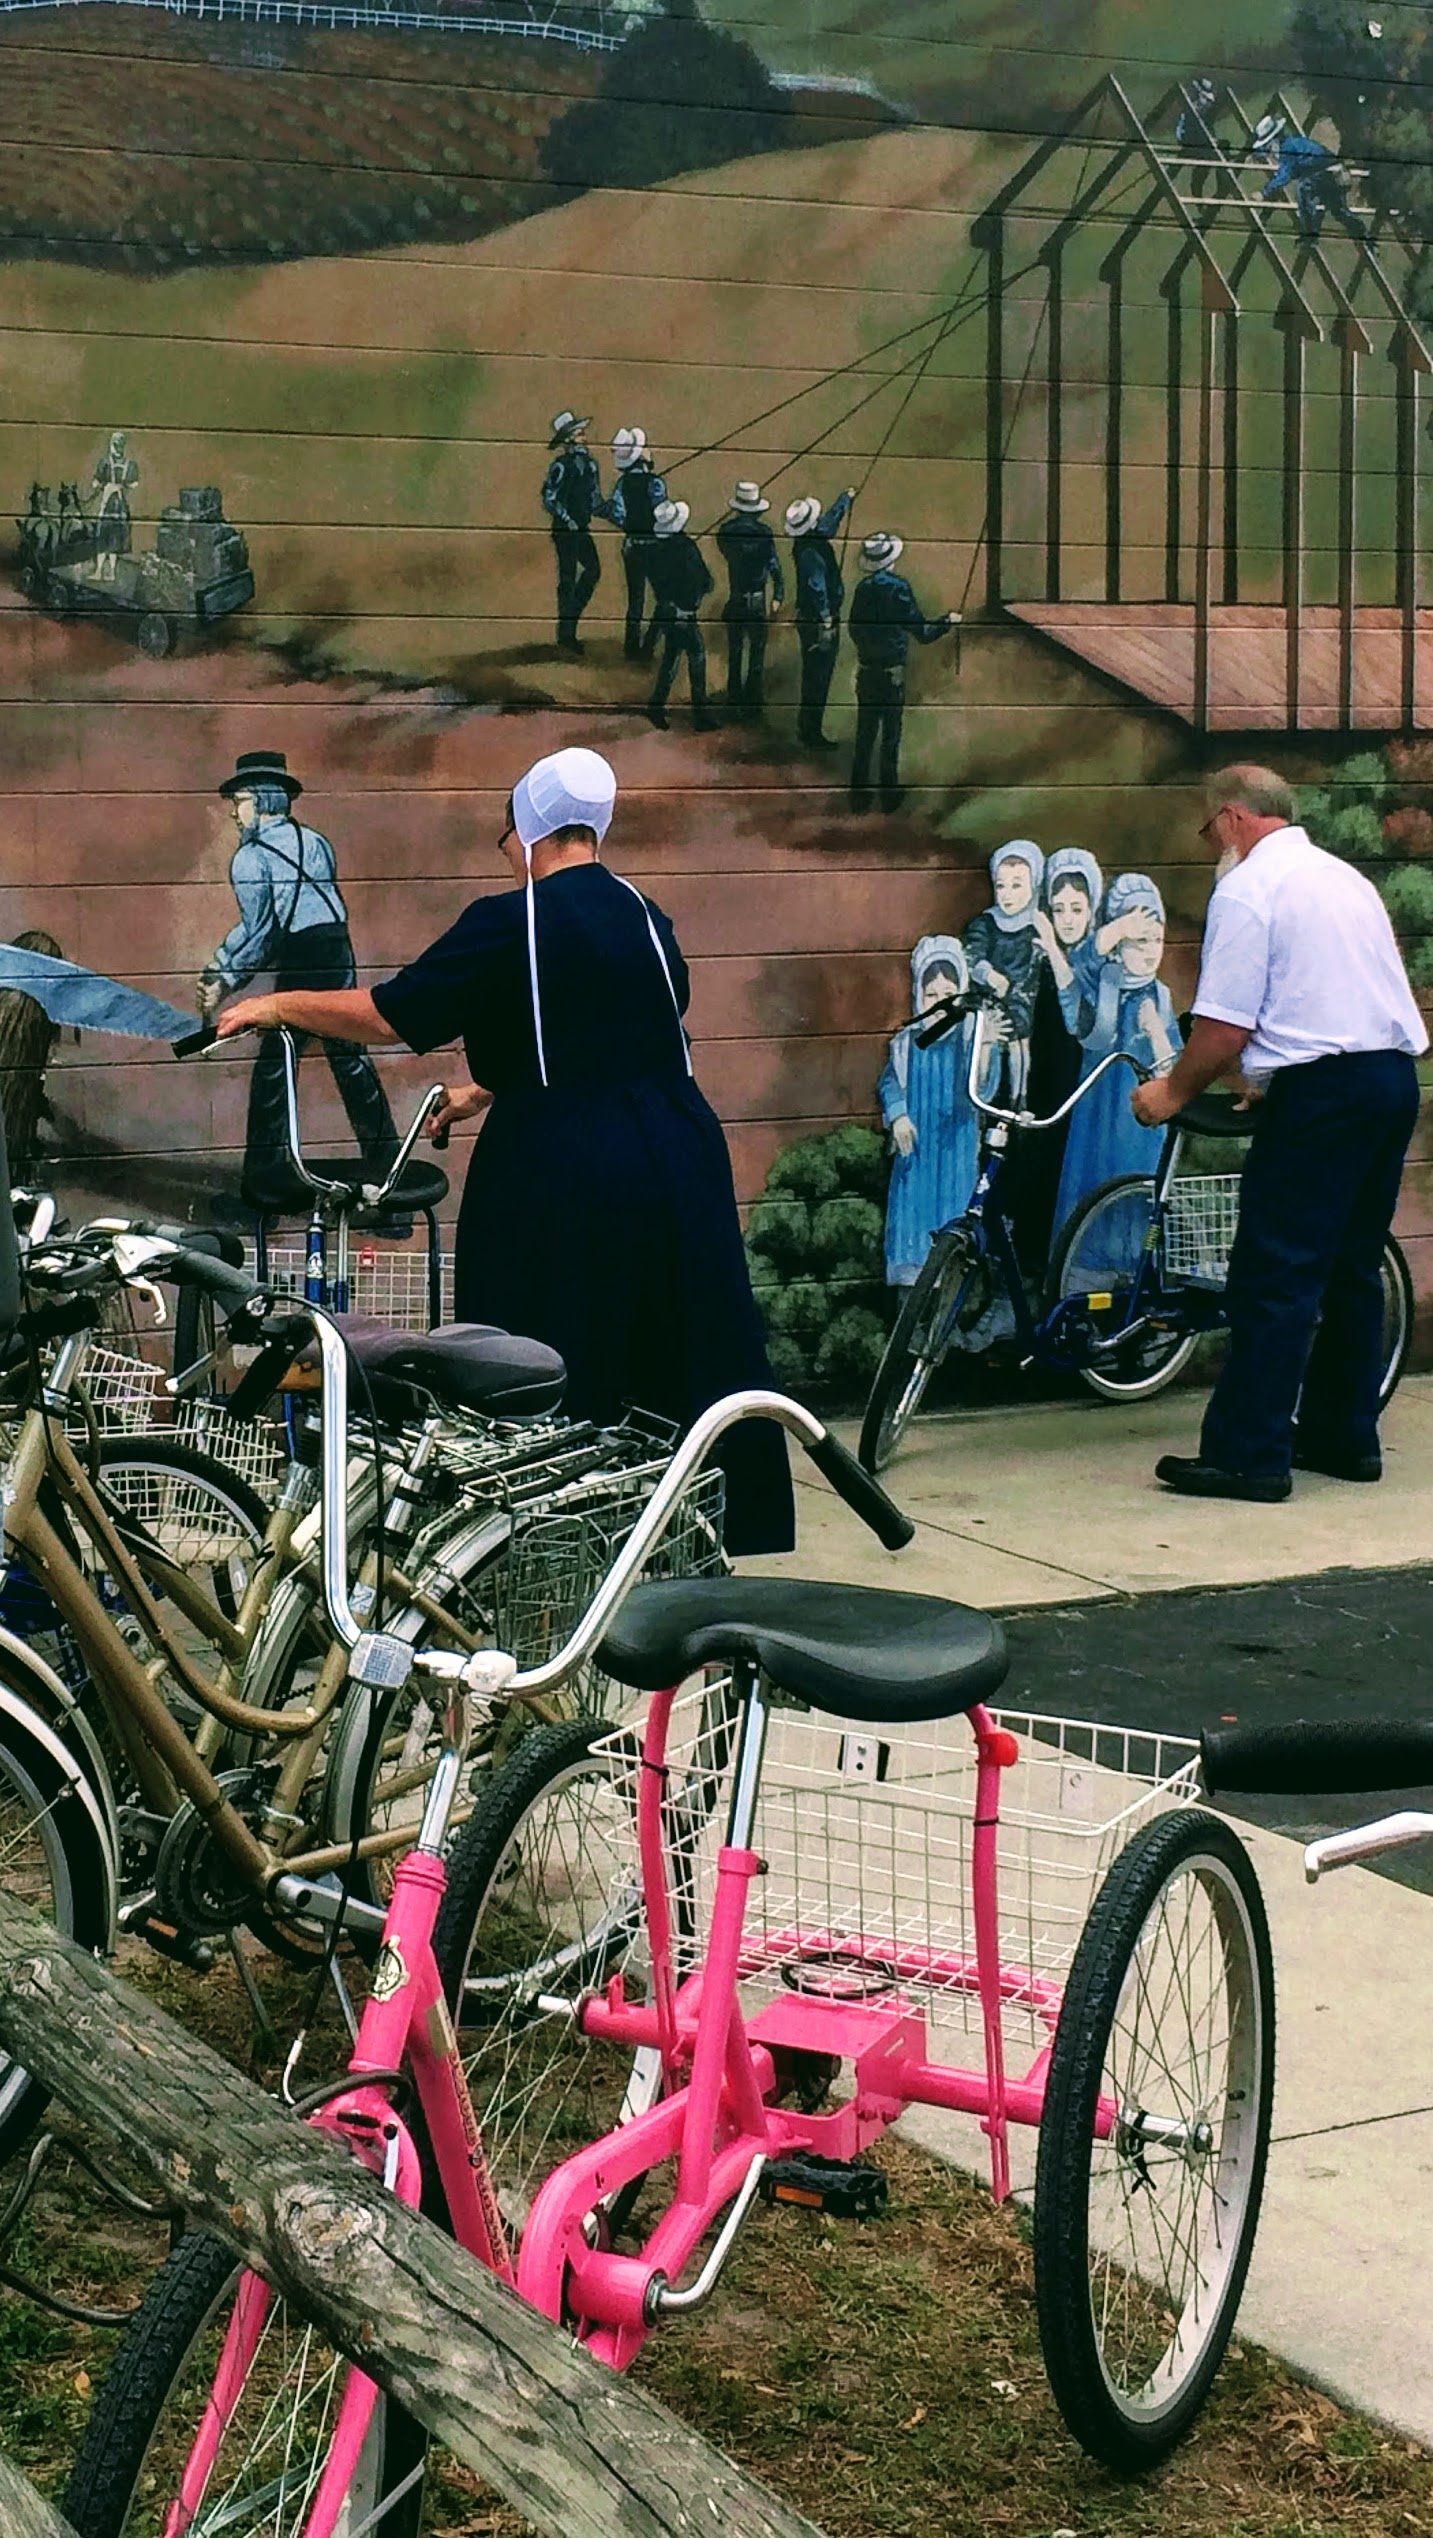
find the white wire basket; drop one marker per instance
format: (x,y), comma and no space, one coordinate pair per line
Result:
(128,1398)
(386,1280)
(867,1845)
(1199,1225)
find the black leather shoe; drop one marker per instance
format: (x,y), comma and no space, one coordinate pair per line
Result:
(1335,1466)
(1194,1478)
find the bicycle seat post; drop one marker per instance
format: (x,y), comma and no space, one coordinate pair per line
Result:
(750,1691)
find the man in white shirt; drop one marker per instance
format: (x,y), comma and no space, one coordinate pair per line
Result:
(1301,985)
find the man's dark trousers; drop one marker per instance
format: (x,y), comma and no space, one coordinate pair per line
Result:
(745,660)
(579,571)
(1305,1298)
(880,713)
(818,660)
(682,640)
(320,957)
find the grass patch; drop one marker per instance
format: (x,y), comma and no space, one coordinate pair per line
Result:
(885,2376)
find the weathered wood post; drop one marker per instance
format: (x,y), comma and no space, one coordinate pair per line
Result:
(576,2449)
(23,2512)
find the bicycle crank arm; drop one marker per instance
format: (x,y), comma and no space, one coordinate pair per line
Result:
(324,1900)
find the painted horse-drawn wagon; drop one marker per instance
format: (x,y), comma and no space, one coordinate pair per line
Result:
(78,561)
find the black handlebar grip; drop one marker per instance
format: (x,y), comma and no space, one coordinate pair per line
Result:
(261,1379)
(194,1043)
(441,1137)
(232,1289)
(863,1495)
(1319,1758)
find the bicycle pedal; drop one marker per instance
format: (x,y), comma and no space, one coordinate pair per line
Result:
(842,2187)
(197,1954)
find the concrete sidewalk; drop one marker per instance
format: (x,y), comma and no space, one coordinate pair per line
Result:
(1059,1504)
(1047,1505)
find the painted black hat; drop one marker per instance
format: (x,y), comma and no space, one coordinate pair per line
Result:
(260,766)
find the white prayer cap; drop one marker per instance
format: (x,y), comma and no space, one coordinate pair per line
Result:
(574,788)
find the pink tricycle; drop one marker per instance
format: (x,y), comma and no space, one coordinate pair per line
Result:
(676,1968)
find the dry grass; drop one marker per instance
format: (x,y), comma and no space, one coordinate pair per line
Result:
(885,2376)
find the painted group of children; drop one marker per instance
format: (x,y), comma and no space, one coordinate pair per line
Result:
(1074,965)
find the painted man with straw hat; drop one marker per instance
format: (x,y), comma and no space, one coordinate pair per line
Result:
(820,591)
(680,579)
(755,591)
(633,507)
(572,499)
(883,618)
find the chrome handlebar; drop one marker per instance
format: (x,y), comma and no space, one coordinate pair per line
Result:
(1028,1118)
(380,1192)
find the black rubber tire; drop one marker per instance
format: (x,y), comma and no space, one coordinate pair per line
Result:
(908,1360)
(1117,2433)
(170,1454)
(1398,1292)
(1153,1379)
(195,2281)
(81,1913)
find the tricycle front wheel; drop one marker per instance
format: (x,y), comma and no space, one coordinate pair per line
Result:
(1153,2139)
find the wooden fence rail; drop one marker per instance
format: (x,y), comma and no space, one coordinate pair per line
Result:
(23,2513)
(580,2452)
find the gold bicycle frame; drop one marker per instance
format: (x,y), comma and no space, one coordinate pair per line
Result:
(169,1765)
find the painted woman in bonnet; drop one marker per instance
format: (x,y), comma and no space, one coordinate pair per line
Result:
(926,1108)
(1117,1002)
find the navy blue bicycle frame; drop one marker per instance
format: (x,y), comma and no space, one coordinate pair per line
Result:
(993,1241)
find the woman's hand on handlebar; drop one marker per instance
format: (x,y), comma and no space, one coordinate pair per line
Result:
(248,1013)
(460,1101)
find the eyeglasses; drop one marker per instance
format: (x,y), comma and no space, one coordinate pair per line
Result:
(1212,822)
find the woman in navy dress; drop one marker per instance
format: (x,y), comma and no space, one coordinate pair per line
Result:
(599,1213)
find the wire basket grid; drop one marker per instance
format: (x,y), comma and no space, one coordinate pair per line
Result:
(127,1397)
(560,1552)
(1199,1224)
(867,1848)
(388,1281)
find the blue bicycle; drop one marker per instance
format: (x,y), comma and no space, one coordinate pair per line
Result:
(1135,1281)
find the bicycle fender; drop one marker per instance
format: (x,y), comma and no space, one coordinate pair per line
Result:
(42,1689)
(97,1801)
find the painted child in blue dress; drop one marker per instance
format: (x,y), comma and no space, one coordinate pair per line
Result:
(925,1105)
(1124,1005)
(1003,949)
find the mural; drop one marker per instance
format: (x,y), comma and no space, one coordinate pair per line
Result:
(75,555)
(913,445)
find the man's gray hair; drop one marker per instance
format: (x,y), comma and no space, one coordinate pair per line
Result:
(271,802)
(1255,789)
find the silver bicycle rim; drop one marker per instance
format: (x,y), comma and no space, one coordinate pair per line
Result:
(27,1818)
(1166,2215)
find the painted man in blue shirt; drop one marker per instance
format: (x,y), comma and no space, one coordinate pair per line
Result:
(1319,179)
(755,590)
(293,922)
(633,507)
(883,618)
(572,499)
(681,579)
(819,595)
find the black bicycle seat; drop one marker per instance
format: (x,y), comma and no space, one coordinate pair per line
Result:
(862,1652)
(418,1184)
(464,1365)
(1216,1114)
